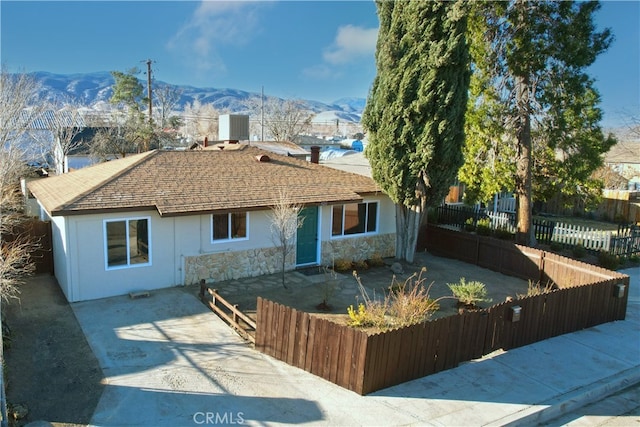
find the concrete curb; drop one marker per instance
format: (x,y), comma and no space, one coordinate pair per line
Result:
(571,401)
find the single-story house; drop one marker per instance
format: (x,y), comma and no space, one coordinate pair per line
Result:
(168,218)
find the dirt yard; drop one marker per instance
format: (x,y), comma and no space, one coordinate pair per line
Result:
(307,293)
(50,369)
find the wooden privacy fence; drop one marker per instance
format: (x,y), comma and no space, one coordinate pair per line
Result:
(365,363)
(586,296)
(40,233)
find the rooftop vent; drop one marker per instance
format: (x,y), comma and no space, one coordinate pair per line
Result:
(263,158)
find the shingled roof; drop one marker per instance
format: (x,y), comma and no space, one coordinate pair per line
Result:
(193,182)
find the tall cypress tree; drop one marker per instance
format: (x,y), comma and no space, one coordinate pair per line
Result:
(533,116)
(415,110)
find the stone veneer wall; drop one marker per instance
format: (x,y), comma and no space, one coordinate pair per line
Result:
(220,266)
(358,248)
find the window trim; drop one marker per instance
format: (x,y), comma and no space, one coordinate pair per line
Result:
(366,233)
(106,243)
(229,239)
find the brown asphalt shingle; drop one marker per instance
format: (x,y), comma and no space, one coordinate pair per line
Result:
(189,182)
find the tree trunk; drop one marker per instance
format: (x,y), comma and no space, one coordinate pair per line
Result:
(408,220)
(523,165)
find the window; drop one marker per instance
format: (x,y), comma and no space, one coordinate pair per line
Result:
(127,243)
(354,218)
(228,226)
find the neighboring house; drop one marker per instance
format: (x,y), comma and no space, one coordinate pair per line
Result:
(167,218)
(78,154)
(624,158)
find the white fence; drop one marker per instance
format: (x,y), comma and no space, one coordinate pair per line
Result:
(566,234)
(506,204)
(501,220)
(589,238)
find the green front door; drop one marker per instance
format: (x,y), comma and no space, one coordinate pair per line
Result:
(307,237)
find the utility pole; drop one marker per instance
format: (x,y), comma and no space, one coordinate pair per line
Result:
(149,91)
(262,113)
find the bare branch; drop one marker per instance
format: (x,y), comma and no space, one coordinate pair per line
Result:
(285,221)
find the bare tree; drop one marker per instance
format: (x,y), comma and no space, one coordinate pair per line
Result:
(117,136)
(283,119)
(19,107)
(201,121)
(285,222)
(166,98)
(65,124)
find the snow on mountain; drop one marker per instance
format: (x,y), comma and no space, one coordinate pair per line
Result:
(332,115)
(95,89)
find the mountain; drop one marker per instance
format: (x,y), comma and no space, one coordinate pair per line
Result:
(95,89)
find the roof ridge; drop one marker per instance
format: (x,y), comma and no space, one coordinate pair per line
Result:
(143,157)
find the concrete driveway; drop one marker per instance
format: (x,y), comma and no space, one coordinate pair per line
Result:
(168,361)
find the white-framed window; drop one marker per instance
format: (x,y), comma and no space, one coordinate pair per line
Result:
(127,242)
(229,226)
(354,218)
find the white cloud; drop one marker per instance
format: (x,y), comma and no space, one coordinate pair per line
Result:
(351,44)
(214,24)
(321,72)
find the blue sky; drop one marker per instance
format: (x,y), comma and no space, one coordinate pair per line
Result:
(320,50)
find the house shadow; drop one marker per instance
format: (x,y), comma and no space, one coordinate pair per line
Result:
(124,405)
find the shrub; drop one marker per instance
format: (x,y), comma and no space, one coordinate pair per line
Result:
(376,260)
(483,227)
(469,293)
(608,261)
(504,233)
(360,317)
(579,251)
(469,224)
(342,265)
(360,265)
(405,304)
(634,259)
(534,288)
(555,246)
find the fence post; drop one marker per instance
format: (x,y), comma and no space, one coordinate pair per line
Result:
(203,286)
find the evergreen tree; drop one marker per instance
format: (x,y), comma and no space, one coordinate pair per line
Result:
(533,118)
(415,111)
(128,92)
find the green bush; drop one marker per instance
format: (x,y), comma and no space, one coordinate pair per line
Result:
(608,261)
(469,293)
(483,227)
(555,246)
(504,233)
(469,224)
(579,251)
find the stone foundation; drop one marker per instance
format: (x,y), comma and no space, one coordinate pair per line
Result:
(359,248)
(221,266)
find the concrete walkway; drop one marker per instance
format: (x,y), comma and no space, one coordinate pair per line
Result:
(168,361)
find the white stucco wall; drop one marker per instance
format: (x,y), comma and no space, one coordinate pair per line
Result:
(80,260)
